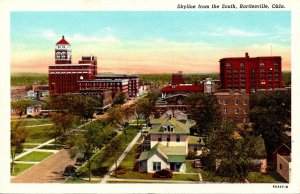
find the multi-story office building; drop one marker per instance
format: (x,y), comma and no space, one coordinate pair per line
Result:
(251,74)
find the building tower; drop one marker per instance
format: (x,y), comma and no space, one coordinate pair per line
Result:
(63,52)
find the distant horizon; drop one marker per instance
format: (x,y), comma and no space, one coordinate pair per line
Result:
(135,42)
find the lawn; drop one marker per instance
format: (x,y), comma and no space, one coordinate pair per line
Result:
(104,159)
(258,177)
(20,168)
(39,134)
(35,156)
(190,168)
(33,121)
(52,147)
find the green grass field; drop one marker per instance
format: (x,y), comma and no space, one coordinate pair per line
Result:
(20,168)
(38,134)
(35,156)
(30,122)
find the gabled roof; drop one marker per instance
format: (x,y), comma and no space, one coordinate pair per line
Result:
(158,126)
(62,41)
(169,153)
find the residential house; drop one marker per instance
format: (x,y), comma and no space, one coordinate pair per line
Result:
(168,146)
(283,161)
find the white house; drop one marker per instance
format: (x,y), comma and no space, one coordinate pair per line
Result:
(168,146)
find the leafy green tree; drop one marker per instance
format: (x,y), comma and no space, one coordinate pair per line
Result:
(232,152)
(145,107)
(83,106)
(89,142)
(119,98)
(120,117)
(270,111)
(21,105)
(17,138)
(204,109)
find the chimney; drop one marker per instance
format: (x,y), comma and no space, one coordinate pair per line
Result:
(246,55)
(63,37)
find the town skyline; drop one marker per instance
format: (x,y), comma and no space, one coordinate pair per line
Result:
(149,42)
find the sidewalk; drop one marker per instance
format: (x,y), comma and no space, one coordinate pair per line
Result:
(113,167)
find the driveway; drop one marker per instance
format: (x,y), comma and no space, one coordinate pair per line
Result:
(47,171)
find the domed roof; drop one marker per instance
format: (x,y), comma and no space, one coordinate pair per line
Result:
(62,41)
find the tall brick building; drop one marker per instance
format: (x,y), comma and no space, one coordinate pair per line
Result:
(234,105)
(251,74)
(67,77)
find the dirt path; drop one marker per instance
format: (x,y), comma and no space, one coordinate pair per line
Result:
(47,171)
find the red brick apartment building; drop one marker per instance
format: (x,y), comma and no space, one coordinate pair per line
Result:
(251,74)
(234,105)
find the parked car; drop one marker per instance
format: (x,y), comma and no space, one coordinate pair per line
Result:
(69,170)
(164,173)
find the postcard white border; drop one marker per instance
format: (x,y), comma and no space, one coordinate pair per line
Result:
(137,5)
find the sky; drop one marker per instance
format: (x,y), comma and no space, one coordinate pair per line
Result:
(149,41)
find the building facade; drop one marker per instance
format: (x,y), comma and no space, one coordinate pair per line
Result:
(234,105)
(250,74)
(67,77)
(168,146)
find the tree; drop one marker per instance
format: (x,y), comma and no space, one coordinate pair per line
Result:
(120,117)
(145,107)
(270,111)
(232,151)
(204,109)
(119,98)
(17,138)
(80,105)
(89,142)
(63,123)
(21,105)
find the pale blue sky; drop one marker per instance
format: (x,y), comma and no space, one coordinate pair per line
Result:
(109,35)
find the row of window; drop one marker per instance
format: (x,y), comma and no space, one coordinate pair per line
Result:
(236,101)
(236,111)
(260,64)
(168,138)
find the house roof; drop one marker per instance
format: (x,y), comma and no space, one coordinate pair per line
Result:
(182,88)
(62,41)
(178,127)
(169,153)
(195,140)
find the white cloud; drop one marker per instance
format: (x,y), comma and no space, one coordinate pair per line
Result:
(233,32)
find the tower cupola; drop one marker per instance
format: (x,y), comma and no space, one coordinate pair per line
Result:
(63,52)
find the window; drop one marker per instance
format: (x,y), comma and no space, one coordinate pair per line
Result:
(220,101)
(276,64)
(235,71)
(178,138)
(242,64)
(225,110)
(159,137)
(245,101)
(168,138)
(224,101)
(156,166)
(262,70)
(242,70)
(280,166)
(244,110)
(236,101)
(229,71)
(228,64)
(236,111)
(262,64)
(276,70)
